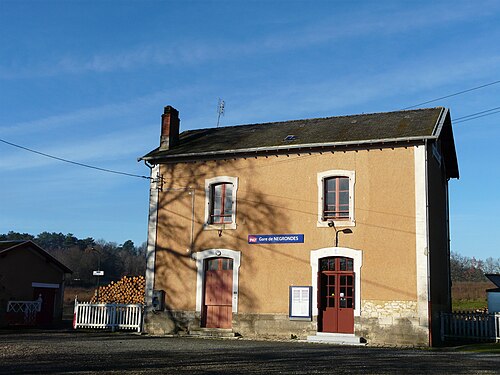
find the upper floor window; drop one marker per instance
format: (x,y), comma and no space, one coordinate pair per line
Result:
(336,198)
(220,202)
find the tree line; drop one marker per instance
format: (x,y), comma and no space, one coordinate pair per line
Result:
(83,256)
(464,268)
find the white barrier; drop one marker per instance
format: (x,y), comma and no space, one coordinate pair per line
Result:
(28,310)
(107,315)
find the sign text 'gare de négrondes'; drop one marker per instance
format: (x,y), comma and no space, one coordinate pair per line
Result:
(275,238)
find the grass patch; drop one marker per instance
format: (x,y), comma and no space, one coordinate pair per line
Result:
(493,348)
(469,305)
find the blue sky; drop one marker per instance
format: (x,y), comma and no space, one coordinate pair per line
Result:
(88,80)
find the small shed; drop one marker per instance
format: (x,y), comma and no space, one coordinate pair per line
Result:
(28,274)
(494,294)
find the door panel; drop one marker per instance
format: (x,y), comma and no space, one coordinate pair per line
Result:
(336,292)
(217,311)
(346,304)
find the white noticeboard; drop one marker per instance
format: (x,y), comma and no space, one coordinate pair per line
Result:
(300,302)
(98,273)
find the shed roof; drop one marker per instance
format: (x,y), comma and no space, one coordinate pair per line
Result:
(354,130)
(8,246)
(494,278)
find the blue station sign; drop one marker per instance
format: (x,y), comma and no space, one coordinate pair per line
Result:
(275,238)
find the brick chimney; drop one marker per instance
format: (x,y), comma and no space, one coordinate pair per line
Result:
(170,124)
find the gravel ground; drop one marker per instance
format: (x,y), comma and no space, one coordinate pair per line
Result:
(77,352)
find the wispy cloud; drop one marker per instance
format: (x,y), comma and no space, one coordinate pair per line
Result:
(342,95)
(85,115)
(193,52)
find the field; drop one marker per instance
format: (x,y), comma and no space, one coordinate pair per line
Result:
(83,294)
(468,295)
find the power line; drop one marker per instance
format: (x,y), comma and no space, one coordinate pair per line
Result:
(477,115)
(454,94)
(73,162)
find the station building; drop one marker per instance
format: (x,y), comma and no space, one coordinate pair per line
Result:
(326,229)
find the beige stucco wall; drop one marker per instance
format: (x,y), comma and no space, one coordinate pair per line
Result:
(278,195)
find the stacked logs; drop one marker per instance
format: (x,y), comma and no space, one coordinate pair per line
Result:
(127,290)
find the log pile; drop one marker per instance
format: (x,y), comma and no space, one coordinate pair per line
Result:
(127,290)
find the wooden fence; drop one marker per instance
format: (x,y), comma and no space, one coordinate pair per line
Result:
(470,326)
(108,316)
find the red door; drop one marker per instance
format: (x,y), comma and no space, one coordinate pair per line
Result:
(46,315)
(217,305)
(336,295)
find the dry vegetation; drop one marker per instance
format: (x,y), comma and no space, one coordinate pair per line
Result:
(470,290)
(470,295)
(82,294)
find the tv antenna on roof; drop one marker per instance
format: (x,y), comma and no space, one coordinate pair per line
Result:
(220,110)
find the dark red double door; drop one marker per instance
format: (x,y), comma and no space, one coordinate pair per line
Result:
(336,295)
(218,301)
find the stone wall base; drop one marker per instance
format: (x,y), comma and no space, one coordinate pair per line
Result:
(168,322)
(392,323)
(388,323)
(273,326)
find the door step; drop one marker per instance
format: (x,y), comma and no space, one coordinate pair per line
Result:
(212,332)
(337,339)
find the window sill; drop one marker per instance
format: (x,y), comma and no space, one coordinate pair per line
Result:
(337,223)
(219,226)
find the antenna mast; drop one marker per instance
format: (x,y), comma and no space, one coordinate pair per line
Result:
(220,110)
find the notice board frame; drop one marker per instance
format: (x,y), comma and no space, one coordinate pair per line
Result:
(294,306)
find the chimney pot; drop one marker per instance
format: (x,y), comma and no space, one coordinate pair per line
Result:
(170,124)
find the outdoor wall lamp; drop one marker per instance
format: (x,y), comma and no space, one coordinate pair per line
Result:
(345,231)
(331,224)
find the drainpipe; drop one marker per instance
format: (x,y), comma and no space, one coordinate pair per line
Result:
(448,245)
(192,191)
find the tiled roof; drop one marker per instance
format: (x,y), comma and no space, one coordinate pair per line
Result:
(374,128)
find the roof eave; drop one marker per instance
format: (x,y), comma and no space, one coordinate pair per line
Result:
(204,155)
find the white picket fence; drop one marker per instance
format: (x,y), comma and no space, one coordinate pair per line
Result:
(108,316)
(470,326)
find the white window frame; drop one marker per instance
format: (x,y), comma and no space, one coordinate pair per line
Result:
(320,181)
(208,192)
